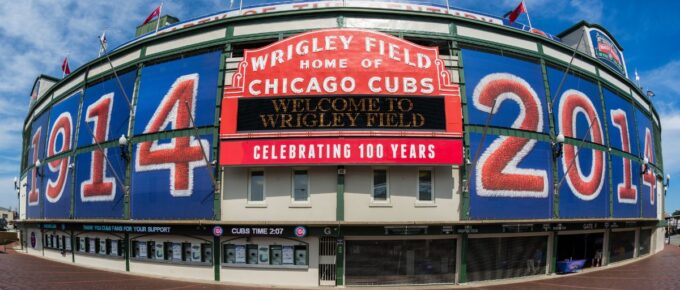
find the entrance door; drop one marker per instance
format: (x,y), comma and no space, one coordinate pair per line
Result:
(327,261)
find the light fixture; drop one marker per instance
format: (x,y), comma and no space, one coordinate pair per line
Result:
(668,180)
(557,146)
(645,165)
(38,169)
(16,183)
(122,143)
(650,94)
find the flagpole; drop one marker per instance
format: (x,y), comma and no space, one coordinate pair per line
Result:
(527,12)
(160,12)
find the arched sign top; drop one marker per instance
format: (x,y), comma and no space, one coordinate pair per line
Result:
(341,62)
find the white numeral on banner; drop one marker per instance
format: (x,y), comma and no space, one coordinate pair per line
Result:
(497,171)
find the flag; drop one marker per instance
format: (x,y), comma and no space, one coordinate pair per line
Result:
(512,15)
(102,43)
(637,77)
(155,13)
(64,67)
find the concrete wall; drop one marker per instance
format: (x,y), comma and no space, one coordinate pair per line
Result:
(403,205)
(278,204)
(308,277)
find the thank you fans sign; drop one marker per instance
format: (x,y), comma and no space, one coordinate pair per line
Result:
(314,88)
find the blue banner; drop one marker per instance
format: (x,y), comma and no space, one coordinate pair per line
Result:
(99,191)
(578,114)
(36,182)
(621,122)
(171,180)
(106,112)
(58,173)
(648,184)
(512,178)
(515,86)
(169,91)
(626,187)
(584,189)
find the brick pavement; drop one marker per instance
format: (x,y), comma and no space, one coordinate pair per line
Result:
(19,271)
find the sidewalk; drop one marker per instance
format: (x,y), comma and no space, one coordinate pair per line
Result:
(20,271)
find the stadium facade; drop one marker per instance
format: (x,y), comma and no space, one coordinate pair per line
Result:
(341,143)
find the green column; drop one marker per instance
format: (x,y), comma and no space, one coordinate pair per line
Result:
(340,261)
(462,272)
(216,257)
(126,251)
(340,196)
(553,261)
(73,248)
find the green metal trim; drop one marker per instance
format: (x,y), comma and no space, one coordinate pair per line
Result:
(73,247)
(462,272)
(553,261)
(553,132)
(605,124)
(131,125)
(216,257)
(465,194)
(340,260)
(340,196)
(217,195)
(126,251)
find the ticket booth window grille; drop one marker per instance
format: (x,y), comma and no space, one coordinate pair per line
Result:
(622,246)
(400,262)
(506,257)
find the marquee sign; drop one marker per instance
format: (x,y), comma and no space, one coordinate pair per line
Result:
(606,50)
(340,82)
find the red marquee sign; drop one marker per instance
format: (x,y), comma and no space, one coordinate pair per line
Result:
(378,85)
(431,151)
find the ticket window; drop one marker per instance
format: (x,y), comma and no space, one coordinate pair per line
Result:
(276,255)
(186,252)
(150,249)
(251,252)
(206,249)
(177,253)
(103,246)
(168,251)
(229,254)
(114,248)
(159,252)
(300,255)
(196,254)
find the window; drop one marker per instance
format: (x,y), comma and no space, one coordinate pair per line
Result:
(264,255)
(300,186)
(425,182)
(256,187)
(380,190)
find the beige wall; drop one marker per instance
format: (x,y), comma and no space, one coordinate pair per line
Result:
(403,205)
(278,204)
(308,277)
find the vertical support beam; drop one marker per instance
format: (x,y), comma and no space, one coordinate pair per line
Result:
(340,195)
(607,253)
(459,252)
(605,124)
(462,272)
(130,147)
(216,257)
(73,247)
(126,251)
(552,252)
(340,259)
(637,243)
(555,206)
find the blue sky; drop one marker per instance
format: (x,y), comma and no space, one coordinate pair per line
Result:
(36,35)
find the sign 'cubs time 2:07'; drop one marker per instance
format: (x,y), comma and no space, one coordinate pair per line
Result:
(315,87)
